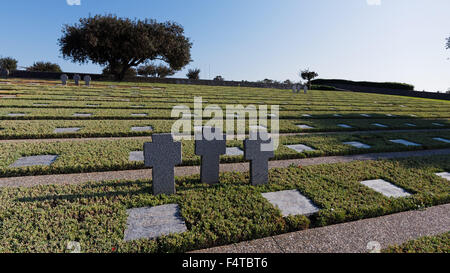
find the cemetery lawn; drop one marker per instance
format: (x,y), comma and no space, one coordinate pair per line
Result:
(46,218)
(429,244)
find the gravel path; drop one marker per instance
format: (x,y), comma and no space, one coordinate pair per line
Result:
(48,140)
(79,178)
(352,237)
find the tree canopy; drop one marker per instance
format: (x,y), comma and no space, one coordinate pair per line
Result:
(308,76)
(122,43)
(44,67)
(8,63)
(193,74)
(160,71)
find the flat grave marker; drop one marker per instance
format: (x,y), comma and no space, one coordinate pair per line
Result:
(442,139)
(410,125)
(154,222)
(66,130)
(304,126)
(136,156)
(291,202)
(358,145)
(82,115)
(346,126)
(142,129)
(404,142)
(300,148)
(16,114)
(139,115)
(234,151)
(438,124)
(37,160)
(444,175)
(380,125)
(365,115)
(385,188)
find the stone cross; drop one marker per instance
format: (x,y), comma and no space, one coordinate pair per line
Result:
(77,79)
(87,80)
(162,154)
(259,165)
(294,88)
(209,147)
(305,88)
(64,79)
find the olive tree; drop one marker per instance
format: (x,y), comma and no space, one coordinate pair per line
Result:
(122,43)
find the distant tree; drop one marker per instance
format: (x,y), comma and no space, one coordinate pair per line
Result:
(219,78)
(308,76)
(160,71)
(287,82)
(267,81)
(122,43)
(131,72)
(448,43)
(8,63)
(193,74)
(44,67)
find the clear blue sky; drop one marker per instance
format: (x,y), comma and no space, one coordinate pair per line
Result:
(397,40)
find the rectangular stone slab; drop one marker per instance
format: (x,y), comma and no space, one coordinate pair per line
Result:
(66,130)
(404,142)
(299,148)
(410,125)
(386,188)
(303,126)
(345,126)
(139,115)
(82,115)
(38,160)
(306,115)
(365,115)
(142,129)
(442,139)
(234,151)
(291,202)
(380,125)
(444,175)
(337,115)
(136,156)
(357,144)
(16,114)
(154,222)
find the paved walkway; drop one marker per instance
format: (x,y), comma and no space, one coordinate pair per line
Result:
(48,140)
(79,178)
(352,237)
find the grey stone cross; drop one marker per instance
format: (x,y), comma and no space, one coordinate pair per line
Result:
(64,79)
(87,80)
(162,154)
(259,165)
(77,79)
(210,145)
(4,73)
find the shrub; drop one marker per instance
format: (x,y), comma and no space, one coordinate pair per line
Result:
(193,74)
(44,67)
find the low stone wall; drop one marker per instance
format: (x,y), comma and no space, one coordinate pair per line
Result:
(99,77)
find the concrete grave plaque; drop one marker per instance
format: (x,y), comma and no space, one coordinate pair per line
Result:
(66,130)
(345,126)
(139,115)
(87,80)
(76,79)
(210,146)
(291,202)
(365,115)
(380,125)
(386,188)
(82,115)
(300,148)
(259,159)
(136,156)
(64,79)
(337,115)
(163,154)
(38,160)
(142,129)
(404,142)
(442,139)
(410,125)
(357,144)
(303,126)
(444,175)
(306,115)
(305,89)
(234,151)
(154,222)
(16,114)
(40,104)
(438,124)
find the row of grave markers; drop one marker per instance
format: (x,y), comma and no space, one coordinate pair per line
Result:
(77,79)
(163,154)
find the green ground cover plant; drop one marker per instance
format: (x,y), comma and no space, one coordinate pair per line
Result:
(46,218)
(428,244)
